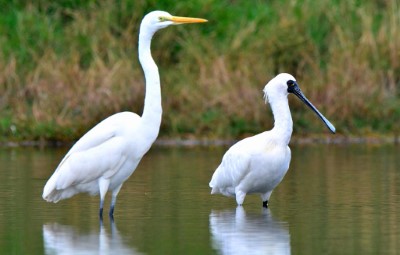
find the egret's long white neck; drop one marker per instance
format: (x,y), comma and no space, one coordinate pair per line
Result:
(283,126)
(151,118)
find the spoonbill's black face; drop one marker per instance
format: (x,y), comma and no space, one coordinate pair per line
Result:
(293,88)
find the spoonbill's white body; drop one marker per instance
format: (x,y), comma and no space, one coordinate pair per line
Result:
(110,152)
(258,164)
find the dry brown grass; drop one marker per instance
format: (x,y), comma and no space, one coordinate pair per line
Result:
(346,57)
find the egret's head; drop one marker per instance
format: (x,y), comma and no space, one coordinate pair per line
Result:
(281,86)
(156,20)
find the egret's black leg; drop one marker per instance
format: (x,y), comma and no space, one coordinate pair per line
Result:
(112,225)
(101,209)
(114,200)
(101,222)
(111,213)
(103,187)
(265,204)
(101,213)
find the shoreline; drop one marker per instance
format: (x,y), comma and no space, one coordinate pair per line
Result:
(179,142)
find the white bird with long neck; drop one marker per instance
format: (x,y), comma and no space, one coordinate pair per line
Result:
(258,164)
(104,158)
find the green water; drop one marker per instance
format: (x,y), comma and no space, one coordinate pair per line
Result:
(335,199)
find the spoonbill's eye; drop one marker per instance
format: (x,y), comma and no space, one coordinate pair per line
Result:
(290,83)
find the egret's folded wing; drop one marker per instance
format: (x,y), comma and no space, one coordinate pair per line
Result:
(105,130)
(100,152)
(102,132)
(88,165)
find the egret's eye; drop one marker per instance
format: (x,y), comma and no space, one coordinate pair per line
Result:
(290,83)
(162,18)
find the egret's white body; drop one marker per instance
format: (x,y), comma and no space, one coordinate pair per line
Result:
(109,153)
(258,164)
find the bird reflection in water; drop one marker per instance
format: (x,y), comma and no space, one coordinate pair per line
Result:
(235,232)
(63,239)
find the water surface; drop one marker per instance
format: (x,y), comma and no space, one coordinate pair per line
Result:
(335,199)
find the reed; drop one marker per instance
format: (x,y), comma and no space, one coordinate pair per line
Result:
(64,66)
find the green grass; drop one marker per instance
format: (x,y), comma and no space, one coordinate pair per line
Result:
(65,65)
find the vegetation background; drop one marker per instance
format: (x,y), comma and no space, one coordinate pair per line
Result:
(65,65)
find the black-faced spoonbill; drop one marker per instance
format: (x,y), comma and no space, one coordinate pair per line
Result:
(109,153)
(258,164)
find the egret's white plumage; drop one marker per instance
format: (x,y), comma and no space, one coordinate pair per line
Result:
(109,153)
(258,164)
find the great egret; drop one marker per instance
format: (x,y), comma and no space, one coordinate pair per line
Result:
(258,164)
(109,153)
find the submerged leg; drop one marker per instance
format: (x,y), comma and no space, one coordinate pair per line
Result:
(113,227)
(265,197)
(103,187)
(111,213)
(101,209)
(114,200)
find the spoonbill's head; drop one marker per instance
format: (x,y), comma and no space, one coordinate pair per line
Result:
(156,20)
(277,87)
(282,85)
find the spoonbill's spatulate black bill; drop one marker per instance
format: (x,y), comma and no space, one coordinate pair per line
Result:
(293,87)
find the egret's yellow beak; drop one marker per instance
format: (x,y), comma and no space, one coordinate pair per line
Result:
(183,20)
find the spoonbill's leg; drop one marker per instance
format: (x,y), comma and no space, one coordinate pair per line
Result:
(114,200)
(265,197)
(103,187)
(240,195)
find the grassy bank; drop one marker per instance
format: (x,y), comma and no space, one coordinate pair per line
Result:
(65,65)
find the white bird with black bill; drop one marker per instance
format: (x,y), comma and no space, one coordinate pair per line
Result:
(258,164)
